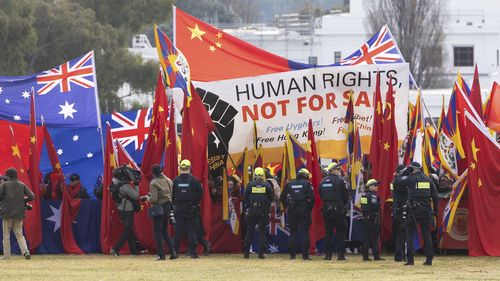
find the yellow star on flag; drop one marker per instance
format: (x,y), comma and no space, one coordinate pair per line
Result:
(219,35)
(22,171)
(161,109)
(218,44)
(168,143)
(379,108)
(15,151)
(386,146)
(473,165)
(474,149)
(479,183)
(33,139)
(192,131)
(196,32)
(212,49)
(58,166)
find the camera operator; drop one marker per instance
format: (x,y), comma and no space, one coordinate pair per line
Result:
(160,197)
(127,193)
(14,195)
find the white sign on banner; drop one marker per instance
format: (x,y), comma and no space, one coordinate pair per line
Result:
(285,101)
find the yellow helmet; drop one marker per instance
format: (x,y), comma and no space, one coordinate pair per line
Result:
(371,182)
(185,164)
(259,172)
(332,166)
(305,172)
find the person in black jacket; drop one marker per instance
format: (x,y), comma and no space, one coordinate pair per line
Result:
(187,194)
(421,190)
(335,196)
(257,200)
(298,199)
(400,196)
(370,205)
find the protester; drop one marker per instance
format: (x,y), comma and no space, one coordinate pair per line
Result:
(75,188)
(14,195)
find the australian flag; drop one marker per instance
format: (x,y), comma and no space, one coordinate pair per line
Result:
(66,95)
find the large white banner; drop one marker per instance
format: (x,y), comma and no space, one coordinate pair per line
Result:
(285,101)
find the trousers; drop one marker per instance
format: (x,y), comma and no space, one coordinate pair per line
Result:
(16,225)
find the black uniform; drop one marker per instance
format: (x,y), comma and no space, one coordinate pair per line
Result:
(400,196)
(370,205)
(257,199)
(298,198)
(187,193)
(421,190)
(335,196)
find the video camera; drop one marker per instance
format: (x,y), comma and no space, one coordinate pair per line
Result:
(126,173)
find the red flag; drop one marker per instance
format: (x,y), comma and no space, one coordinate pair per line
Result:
(259,161)
(153,153)
(124,157)
(196,124)
(388,161)
(377,128)
(69,205)
(475,94)
(22,173)
(171,167)
(492,111)
(111,227)
(32,223)
(316,230)
(205,47)
(484,189)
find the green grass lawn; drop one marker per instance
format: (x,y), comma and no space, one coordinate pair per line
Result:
(233,267)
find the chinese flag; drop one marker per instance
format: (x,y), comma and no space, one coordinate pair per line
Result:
(388,160)
(32,223)
(69,205)
(377,128)
(124,157)
(111,227)
(171,167)
(316,230)
(492,110)
(215,55)
(153,153)
(475,94)
(196,125)
(484,189)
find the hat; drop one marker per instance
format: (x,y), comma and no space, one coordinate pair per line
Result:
(371,182)
(185,164)
(258,172)
(333,165)
(74,177)
(400,167)
(11,173)
(305,172)
(416,165)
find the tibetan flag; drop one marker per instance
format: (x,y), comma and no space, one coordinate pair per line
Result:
(457,191)
(32,223)
(174,64)
(241,169)
(484,189)
(216,55)
(450,124)
(442,116)
(492,110)
(297,155)
(259,158)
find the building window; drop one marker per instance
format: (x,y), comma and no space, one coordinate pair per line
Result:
(337,57)
(463,56)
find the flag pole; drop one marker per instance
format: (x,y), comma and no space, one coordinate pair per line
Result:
(97,106)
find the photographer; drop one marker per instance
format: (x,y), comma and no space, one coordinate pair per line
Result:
(125,192)
(14,196)
(160,197)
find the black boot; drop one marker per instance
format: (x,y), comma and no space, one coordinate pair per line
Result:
(328,256)
(292,256)
(366,258)
(341,257)
(428,261)
(261,256)
(246,255)
(410,262)
(306,257)
(378,259)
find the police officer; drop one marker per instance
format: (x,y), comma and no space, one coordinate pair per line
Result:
(298,199)
(335,196)
(187,193)
(257,199)
(400,196)
(370,205)
(421,190)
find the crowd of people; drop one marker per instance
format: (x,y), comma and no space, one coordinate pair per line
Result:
(177,202)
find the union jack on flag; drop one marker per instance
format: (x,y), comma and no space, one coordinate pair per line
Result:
(380,49)
(131,127)
(78,72)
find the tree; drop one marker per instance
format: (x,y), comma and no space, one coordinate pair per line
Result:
(417,26)
(39,34)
